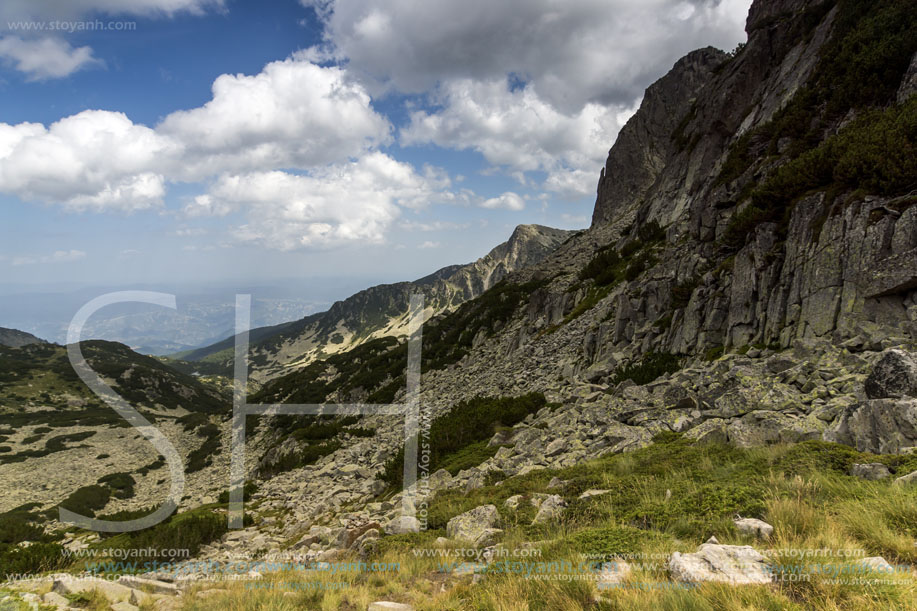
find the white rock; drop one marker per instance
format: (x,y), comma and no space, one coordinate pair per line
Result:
(153,585)
(612,573)
(735,564)
(591,493)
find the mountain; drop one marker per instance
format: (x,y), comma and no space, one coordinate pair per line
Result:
(759,202)
(740,319)
(16,339)
(379,311)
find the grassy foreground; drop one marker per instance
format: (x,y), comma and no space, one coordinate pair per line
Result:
(668,497)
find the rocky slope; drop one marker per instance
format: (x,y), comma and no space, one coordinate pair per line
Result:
(382,311)
(13,338)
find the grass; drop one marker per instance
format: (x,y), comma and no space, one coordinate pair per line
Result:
(670,496)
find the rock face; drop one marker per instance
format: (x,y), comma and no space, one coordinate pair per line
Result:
(832,270)
(645,143)
(733,564)
(893,377)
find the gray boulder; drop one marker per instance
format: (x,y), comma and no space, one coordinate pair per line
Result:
(879,426)
(872,471)
(893,377)
(475,525)
(550,509)
(910,478)
(756,528)
(402,525)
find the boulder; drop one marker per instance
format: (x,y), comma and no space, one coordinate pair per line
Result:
(402,525)
(123,606)
(53,599)
(111,591)
(591,493)
(709,431)
(751,526)
(550,509)
(347,536)
(474,525)
(894,376)
(872,471)
(910,478)
(879,426)
(733,564)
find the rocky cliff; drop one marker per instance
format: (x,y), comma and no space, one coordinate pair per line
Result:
(771,237)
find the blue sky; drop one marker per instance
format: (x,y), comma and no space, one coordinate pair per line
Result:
(235,141)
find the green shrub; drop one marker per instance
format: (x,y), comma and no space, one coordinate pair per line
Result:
(467,423)
(650,367)
(87,500)
(121,484)
(603,267)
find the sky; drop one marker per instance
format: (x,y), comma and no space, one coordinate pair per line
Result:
(193,141)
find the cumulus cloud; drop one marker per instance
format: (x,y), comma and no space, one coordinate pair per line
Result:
(355,201)
(520,131)
(59,256)
(293,114)
(428,244)
(92,160)
(506,201)
(574,52)
(533,85)
(45,58)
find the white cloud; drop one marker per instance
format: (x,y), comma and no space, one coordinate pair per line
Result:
(573,52)
(428,244)
(351,202)
(521,132)
(92,160)
(507,201)
(45,58)
(293,114)
(59,256)
(533,85)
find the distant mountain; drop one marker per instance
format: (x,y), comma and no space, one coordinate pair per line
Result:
(16,339)
(381,311)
